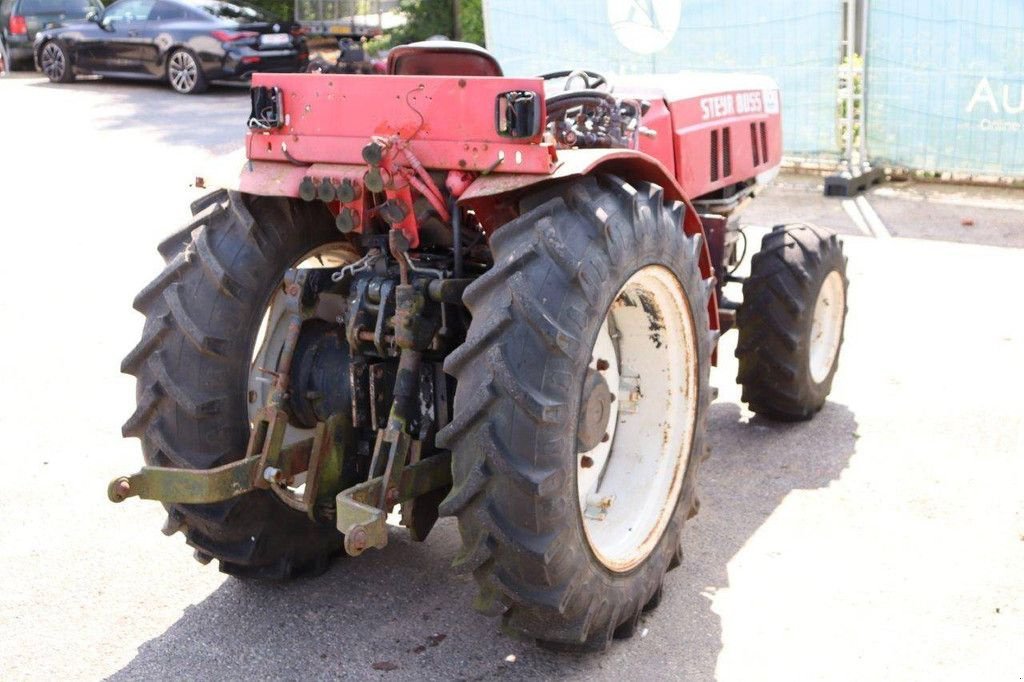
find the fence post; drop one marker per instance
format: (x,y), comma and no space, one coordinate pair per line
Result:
(851,178)
(865,163)
(850,74)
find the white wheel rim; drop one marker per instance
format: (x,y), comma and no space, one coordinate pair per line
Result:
(628,486)
(827,327)
(270,339)
(183,72)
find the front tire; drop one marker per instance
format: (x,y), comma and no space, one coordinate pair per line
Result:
(56,63)
(184,73)
(791,322)
(537,425)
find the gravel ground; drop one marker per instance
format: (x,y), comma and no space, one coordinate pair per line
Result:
(882,540)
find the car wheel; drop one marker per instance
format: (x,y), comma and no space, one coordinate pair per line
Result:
(184,73)
(54,61)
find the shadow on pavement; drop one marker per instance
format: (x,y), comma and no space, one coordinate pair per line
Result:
(214,120)
(402,606)
(754,465)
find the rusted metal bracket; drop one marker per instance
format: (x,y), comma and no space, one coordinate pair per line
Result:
(363,523)
(265,463)
(326,460)
(187,486)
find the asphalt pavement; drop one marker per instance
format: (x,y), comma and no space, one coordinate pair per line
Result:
(884,540)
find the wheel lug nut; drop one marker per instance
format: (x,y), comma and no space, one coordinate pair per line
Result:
(602,365)
(605,438)
(586,462)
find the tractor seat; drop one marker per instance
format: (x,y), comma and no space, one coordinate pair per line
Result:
(442,58)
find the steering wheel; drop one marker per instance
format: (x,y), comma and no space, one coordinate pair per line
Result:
(591,79)
(563,101)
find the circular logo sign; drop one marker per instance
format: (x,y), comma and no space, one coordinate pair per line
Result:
(645,26)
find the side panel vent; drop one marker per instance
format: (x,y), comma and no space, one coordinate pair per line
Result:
(714,155)
(764,142)
(726,154)
(754,144)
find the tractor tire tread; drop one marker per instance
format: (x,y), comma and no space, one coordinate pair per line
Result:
(774,321)
(509,503)
(192,369)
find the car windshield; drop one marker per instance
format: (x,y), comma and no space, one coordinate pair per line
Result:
(231,11)
(69,8)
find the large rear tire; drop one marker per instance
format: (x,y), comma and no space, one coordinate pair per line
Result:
(537,376)
(791,322)
(203,313)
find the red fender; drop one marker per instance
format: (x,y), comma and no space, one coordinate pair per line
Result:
(488,193)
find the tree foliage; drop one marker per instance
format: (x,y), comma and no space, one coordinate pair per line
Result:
(425,18)
(280,9)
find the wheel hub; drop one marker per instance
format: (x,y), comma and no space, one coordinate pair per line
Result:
(53,62)
(827,326)
(315,390)
(634,444)
(595,410)
(319,376)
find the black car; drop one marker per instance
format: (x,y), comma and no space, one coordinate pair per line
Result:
(20,20)
(187,42)
(5,60)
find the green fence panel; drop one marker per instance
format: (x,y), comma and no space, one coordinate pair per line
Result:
(795,41)
(945,85)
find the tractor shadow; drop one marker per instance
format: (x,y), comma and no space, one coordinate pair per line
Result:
(403,609)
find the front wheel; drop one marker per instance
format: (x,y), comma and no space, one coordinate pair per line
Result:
(580,409)
(55,63)
(184,73)
(791,322)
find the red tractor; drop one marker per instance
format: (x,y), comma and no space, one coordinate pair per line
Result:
(486,297)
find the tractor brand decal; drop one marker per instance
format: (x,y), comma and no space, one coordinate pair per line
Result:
(645,26)
(717,106)
(750,102)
